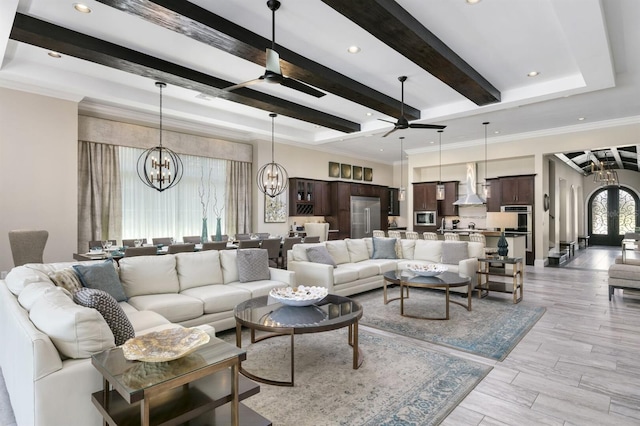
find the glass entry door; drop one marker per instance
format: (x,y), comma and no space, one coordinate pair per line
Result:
(613,211)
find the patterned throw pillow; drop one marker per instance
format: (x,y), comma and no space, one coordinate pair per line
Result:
(384,248)
(67,279)
(454,251)
(253,265)
(110,310)
(320,254)
(102,276)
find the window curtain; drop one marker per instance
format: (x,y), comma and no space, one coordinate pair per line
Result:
(238,198)
(99,194)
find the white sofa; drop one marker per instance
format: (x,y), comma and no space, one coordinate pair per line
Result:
(47,387)
(357,271)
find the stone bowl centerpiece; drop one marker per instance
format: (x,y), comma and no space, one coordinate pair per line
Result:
(430,270)
(299,296)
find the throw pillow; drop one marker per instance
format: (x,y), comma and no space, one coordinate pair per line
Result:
(67,279)
(454,251)
(102,276)
(384,248)
(110,310)
(253,265)
(320,254)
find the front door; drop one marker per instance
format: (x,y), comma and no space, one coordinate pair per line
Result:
(613,211)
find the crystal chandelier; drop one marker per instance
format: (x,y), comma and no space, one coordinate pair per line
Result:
(605,175)
(272,178)
(155,165)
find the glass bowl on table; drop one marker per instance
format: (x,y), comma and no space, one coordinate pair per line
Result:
(299,296)
(430,270)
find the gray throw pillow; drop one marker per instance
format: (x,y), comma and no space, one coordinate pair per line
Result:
(253,265)
(102,276)
(384,248)
(320,254)
(454,251)
(110,310)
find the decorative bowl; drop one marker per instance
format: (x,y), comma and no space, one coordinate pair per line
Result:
(428,270)
(164,345)
(299,296)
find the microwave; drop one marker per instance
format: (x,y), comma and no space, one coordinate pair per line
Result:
(426,218)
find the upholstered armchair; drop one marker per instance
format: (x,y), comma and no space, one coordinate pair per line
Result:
(317,230)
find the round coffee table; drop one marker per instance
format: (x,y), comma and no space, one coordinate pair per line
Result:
(264,314)
(443,281)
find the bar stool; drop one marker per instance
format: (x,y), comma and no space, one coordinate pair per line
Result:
(429,235)
(412,235)
(451,236)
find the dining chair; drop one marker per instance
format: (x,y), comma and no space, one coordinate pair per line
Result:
(195,239)
(164,241)
(480,238)
(412,235)
(378,233)
(223,237)
(214,245)
(98,243)
(132,242)
(429,235)
(242,244)
(311,239)
(240,237)
(263,235)
(27,246)
(287,244)
(181,248)
(451,236)
(272,245)
(140,251)
(395,234)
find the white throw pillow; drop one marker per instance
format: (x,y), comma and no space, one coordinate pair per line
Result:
(476,249)
(407,249)
(18,278)
(33,292)
(357,250)
(143,275)
(429,250)
(338,250)
(198,269)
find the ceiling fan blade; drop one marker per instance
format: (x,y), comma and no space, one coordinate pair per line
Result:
(273,61)
(301,87)
(390,131)
(426,126)
(245,84)
(388,121)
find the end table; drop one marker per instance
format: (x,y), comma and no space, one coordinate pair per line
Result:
(485,284)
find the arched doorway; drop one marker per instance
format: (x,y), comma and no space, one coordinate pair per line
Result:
(613,211)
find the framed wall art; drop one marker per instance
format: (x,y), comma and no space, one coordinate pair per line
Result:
(368,174)
(357,173)
(334,169)
(275,209)
(345,171)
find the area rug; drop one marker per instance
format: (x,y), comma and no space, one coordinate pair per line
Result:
(397,384)
(492,329)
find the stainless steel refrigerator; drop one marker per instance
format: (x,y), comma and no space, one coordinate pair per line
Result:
(365,216)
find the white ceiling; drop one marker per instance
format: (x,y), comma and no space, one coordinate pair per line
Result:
(585,50)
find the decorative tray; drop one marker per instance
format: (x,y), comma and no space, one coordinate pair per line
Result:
(164,345)
(428,270)
(299,296)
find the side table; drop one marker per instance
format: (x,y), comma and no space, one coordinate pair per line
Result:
(485,284)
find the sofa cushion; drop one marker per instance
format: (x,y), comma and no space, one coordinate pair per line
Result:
(219,298)
(229,264)
(259,288)
(76,331)
(299,251)
(344,274)
(110,310)
(253,265)
(66,278)
(33,292)
(102,276)
(364,269)
(144,320)
(383,265)
(357,250)
(21,276)
(320,254)
(369,242)
(384,248)
(173,306)
(406,250)
(429,250)
(198,269)
(454,251)
(475,249)
(339,251)
(142,275)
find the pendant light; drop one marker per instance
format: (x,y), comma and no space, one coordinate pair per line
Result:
(402,192)
(486,187)
(272,178)
(156,165)
(440,185)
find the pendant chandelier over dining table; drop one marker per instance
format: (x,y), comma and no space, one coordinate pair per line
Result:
(160,168)
(272,178)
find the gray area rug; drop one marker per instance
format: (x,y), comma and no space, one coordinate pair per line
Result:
(6,412)
(397,384)
(492,329)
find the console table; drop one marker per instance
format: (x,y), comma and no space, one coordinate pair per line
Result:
(485,272)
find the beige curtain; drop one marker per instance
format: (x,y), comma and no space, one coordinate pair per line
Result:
(99,194)
(238,203)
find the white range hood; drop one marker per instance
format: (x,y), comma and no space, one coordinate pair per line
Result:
(470,198)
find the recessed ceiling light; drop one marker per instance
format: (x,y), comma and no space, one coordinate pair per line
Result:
(381,150)
(431,141)
(353,49)
(83,8)
(54,55)
(369,114)
(473,1)
(496,132)
(581,119)
(533,74)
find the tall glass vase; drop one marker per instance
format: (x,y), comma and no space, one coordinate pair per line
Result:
(204,237)
(218,229)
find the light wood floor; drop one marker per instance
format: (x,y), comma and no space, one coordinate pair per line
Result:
(579,365)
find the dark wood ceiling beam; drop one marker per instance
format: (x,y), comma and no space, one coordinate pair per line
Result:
(394,26)
(39,33)
(202,25)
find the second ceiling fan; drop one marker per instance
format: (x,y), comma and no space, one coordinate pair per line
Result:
(402,122)
(273,74)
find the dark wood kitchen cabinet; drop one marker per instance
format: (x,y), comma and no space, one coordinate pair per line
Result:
(394,202)
(494,201)
(322,202)
(517,190)
(424,197)
(301,197)
(446,206)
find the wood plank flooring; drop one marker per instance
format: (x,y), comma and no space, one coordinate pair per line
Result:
(579,365)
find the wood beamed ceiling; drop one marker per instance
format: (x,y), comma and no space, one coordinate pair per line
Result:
(621,158)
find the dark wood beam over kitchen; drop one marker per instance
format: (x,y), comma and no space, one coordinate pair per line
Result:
(200,24)
(39,33)
(394,26)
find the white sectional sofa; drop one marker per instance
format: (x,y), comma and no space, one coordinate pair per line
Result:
(359,269)
(47,339)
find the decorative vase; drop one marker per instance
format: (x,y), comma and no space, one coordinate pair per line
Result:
(218,229)
(204,237)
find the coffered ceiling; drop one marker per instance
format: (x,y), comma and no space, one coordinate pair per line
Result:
(465,64)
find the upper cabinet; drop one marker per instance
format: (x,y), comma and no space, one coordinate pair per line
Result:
(322,203)
(301,197)
(495,199)
(424,197)
(517,190)
(394,202)
(446,206)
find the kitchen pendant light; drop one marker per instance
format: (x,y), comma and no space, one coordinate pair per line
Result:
(402,192)
(486,187)
(272,178)
(155,165)
(440,185)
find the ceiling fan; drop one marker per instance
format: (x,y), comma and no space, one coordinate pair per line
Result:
(273,74)
(402,122)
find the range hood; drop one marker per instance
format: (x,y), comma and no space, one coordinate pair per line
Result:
(470,198)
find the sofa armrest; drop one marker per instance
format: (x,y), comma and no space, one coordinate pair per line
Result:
(309,273)
(287,277)
(469,267)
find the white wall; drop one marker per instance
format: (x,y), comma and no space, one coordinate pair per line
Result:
(38,171)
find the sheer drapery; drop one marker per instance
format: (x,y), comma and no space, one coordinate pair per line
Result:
(99,193)
(238,201)
(177,212)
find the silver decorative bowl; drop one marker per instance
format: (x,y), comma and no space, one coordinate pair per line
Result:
(429,271)
(299,296)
